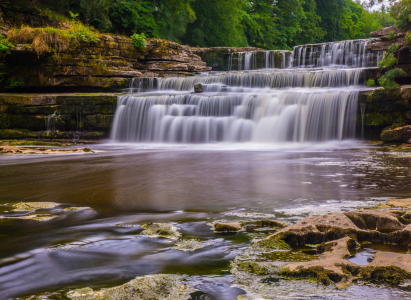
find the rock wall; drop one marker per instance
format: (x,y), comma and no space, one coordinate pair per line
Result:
(105,66)
(404,56)
(380,108)
(27,115)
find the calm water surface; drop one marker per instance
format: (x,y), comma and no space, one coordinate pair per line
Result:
(128,185)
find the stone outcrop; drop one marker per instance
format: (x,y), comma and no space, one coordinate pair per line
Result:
(380,108)
(29,113)
(361,225)
(105,65)
(384,42)
(400,134)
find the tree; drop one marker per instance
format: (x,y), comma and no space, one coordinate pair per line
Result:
(218,24)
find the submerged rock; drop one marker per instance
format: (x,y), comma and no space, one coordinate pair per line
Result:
(28,150)
(32,206)
(400,134)
(160,229)
(192,245)
(227,227)
(198,88)
(161,287)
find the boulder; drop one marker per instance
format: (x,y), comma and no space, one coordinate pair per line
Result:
(198,88)
(400,134)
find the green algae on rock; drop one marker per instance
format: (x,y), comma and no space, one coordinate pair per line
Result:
(32,206)
(160,229)
(162,287)
(192,244)
(227,227)
(270,244)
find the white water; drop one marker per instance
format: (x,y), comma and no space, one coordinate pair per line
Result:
(243,61)
(338,54)
(293,105)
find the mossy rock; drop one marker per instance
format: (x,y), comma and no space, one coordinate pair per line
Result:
(317,273)
(252,267)
(16,134)
(271,244)
(220,227)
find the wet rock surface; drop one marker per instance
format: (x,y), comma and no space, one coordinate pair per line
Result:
(33,150)
(400,134)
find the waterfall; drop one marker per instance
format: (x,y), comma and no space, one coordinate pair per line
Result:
(337,54)
(244,61)
(291,116)
(265,97)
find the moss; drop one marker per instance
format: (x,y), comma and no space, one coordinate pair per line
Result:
(316,273)
(16,134)
(274,243)
(35,143)
(264,223)
(391,274)
(87,150)
(352,244)
(225,228)
(32,206)
(160,229)
(252,267)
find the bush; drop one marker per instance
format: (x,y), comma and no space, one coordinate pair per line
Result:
(371,82)
(5,45)
(50,39)
(139,40)
(391,35)
(387,81)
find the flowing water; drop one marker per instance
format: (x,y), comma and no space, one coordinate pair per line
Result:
(271,143)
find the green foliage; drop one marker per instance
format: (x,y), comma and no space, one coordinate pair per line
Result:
(401,12)
(371,83)
(5,45)
(387,81)
(269,24)
(394,48)
(391,35)
(7,80)
(388,61)
(73,16)
(139,40)
(218,23)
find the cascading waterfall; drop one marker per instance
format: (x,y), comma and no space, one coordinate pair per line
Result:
(243,61)
(272,105)
(338,54)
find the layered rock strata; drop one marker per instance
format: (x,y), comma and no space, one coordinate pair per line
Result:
(385,41)
(105,65)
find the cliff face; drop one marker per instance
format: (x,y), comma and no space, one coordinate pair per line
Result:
(404,55)
(105,65)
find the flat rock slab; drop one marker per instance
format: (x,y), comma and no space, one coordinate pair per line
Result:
(386,259)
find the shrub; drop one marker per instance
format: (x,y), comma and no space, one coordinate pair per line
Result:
(50,39)
(391,35)
(371,82)
(139,40)
(387,81)
(5,45)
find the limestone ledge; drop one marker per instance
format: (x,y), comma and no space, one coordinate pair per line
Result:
(107,64)
(76,112)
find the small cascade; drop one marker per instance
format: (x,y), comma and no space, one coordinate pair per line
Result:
(337,54)
(244,61)
(51,122)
